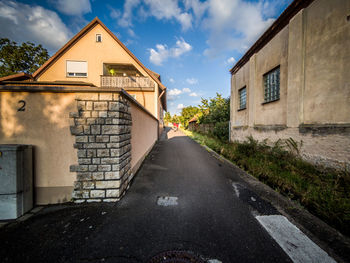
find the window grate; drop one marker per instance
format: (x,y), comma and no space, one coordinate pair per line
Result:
(242,98)
(272,85)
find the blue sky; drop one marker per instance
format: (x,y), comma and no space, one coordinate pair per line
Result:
(192,44)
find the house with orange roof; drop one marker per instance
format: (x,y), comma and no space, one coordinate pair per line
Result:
(92,113)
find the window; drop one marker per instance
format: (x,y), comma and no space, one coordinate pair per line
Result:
(242,94)
(272,85)
(76,68)
(98,38)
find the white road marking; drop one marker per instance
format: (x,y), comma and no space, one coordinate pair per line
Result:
(235,187)
(167,200)
(214,261)
(294,242)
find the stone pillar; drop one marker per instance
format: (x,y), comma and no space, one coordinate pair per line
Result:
(102,129)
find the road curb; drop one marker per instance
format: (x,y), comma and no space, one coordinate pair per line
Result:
(332,241)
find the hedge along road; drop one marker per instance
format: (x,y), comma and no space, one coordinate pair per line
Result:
(182,199)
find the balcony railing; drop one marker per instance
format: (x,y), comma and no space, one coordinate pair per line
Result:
(126,82)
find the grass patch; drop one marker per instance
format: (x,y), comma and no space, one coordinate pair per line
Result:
(324,192)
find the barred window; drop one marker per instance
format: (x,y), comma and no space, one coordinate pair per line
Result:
(272,85)
(242,98)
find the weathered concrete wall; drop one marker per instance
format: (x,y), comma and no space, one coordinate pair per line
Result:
(144,132)
(240,80)
(314,106)
(74,132)
(272,55)
(327,62)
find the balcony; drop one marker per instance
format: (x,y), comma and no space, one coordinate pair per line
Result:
(127,83)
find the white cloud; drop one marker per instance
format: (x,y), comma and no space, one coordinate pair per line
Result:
(162,52)
(193,94)
(180,106)
(234,24)
(230,24)
(21,23)
(181,47)
(168,10)
(174,92)
(125,20)
(171,80)
(131,32)
(192,81)
(160,9)
(230,60)
(198,7)
(158,56)
(73,8)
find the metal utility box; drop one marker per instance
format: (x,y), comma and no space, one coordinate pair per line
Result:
(16,180)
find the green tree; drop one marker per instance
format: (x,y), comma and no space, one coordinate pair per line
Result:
(26,57)
(167,117)
(175,119)
(187,113)
(215,109)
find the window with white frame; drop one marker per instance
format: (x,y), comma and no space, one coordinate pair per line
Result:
(98,38)
(242,95)
(272,85)
(77,68)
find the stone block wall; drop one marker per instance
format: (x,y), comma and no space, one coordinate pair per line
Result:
(102,130)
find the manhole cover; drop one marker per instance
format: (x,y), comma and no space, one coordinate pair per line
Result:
(176,257)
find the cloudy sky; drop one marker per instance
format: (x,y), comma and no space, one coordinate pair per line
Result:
(191,43)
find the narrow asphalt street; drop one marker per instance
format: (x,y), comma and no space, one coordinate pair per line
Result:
(206,217)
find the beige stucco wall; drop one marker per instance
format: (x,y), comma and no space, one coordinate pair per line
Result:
(144,133)
(145,98)
(45,125)
(313,53)
(96,53)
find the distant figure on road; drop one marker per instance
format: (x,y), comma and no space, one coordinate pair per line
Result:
(175,126)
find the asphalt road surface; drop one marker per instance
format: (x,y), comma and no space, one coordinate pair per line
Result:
(182,199)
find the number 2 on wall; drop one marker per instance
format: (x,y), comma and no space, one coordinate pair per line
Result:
(23,105)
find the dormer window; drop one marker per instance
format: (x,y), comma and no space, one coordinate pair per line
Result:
(98,38)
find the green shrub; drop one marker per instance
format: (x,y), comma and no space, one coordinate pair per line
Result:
(221,130)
